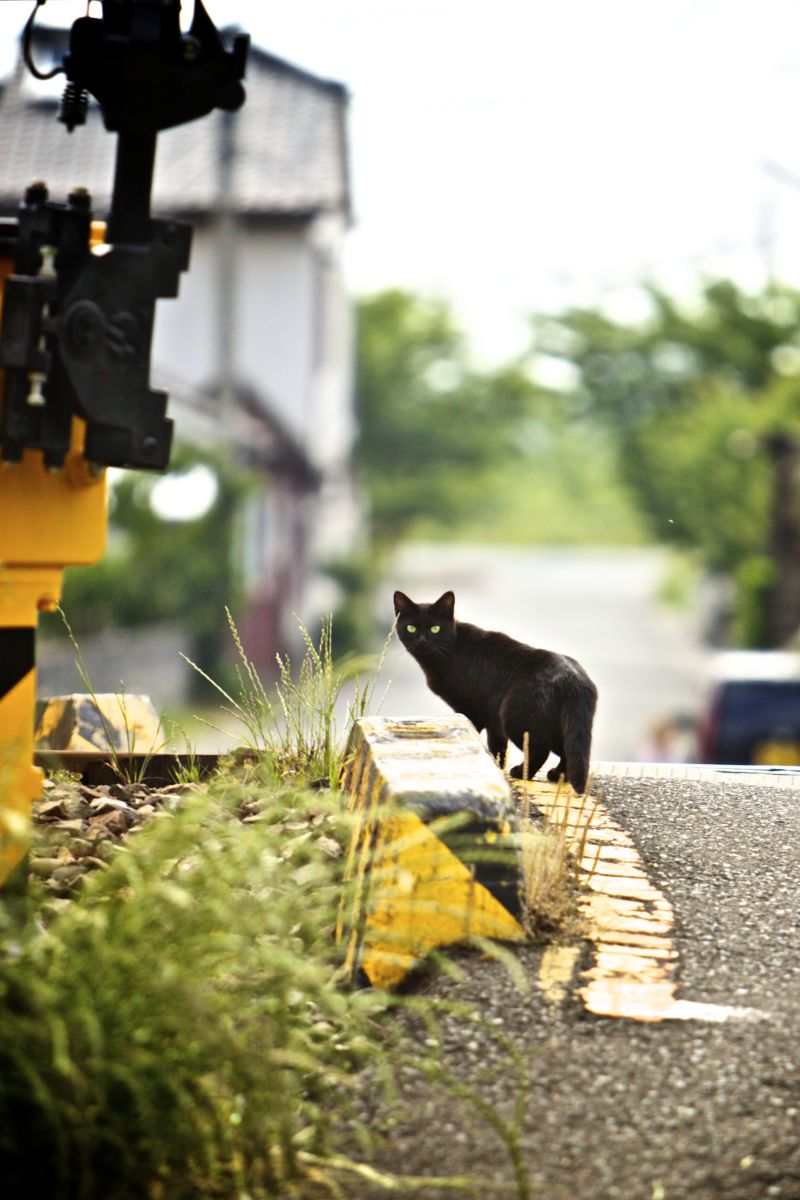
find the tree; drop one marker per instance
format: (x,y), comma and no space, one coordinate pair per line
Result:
(693,399)
(159,570)
(429,423)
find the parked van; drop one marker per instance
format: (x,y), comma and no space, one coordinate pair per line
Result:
(753,712)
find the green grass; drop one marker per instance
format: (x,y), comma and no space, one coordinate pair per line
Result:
(296,722)
(181,1030)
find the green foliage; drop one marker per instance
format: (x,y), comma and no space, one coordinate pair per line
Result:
(690,399)
(429,423)
(703,472)
(179,1031)
(563,488)
(294,723)
(627,373)
(156,570)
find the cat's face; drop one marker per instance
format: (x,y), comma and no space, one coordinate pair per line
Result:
(426,630)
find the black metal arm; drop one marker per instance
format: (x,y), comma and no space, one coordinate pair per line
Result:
(77,325)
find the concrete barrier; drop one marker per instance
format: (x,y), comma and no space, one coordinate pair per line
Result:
(434,856)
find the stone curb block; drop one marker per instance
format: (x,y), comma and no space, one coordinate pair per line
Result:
(434,856)
(101,722)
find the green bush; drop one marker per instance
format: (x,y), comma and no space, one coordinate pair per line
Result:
(179,1031)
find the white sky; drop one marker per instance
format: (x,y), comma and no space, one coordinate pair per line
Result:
(517,155)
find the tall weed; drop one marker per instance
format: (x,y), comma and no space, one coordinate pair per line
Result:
(296,722)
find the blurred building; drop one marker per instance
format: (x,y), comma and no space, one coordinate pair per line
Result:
(256,352)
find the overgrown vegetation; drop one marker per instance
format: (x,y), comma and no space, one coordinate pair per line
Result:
(553,847)
(180,1030)
(182,1026)
(430,424)
(605,432)
(297,722)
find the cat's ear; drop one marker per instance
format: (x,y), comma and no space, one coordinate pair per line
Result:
(446,603)
(402,602)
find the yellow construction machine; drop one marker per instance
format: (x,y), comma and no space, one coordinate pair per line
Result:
(78,302)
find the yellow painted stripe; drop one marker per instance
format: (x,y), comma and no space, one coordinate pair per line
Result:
(630,920)
(20,781)
(424,897)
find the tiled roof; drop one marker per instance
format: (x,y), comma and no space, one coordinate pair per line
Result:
(290,138)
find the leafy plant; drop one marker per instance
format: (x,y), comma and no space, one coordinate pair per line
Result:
(183,1030)
(429,422)
(692,400)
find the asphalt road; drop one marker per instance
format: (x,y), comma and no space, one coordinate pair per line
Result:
(630,1111)
(600,606)
(616,1109)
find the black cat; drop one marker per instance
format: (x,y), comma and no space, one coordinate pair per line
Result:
(511,690)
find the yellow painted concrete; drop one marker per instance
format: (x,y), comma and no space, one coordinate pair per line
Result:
(433,858)
(108,721)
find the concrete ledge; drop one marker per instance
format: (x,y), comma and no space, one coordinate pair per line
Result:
(105,722)
(434,856)
(784,777)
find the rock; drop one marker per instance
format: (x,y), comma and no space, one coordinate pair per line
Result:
(44,867)
(72,826)
(113,823)
(67,873)
(329,846)
(49,809)
(107,804)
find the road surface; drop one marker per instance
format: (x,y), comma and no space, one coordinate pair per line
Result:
(620,1110)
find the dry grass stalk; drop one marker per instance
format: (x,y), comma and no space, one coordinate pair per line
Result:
(554,836)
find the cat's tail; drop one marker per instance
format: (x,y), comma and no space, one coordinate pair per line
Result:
(577,715)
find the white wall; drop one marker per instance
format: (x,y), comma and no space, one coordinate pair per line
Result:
(275,323)
(184,339)
(292,334)
(272,321)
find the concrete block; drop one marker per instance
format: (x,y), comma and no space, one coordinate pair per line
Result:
(128,724)
(434,857)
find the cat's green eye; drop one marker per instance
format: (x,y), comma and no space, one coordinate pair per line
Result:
(411,629)
(436,628)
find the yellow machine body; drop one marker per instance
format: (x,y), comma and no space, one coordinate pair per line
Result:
(49,519)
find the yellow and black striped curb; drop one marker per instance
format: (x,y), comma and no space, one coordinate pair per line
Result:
(434,856)
(107,721)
